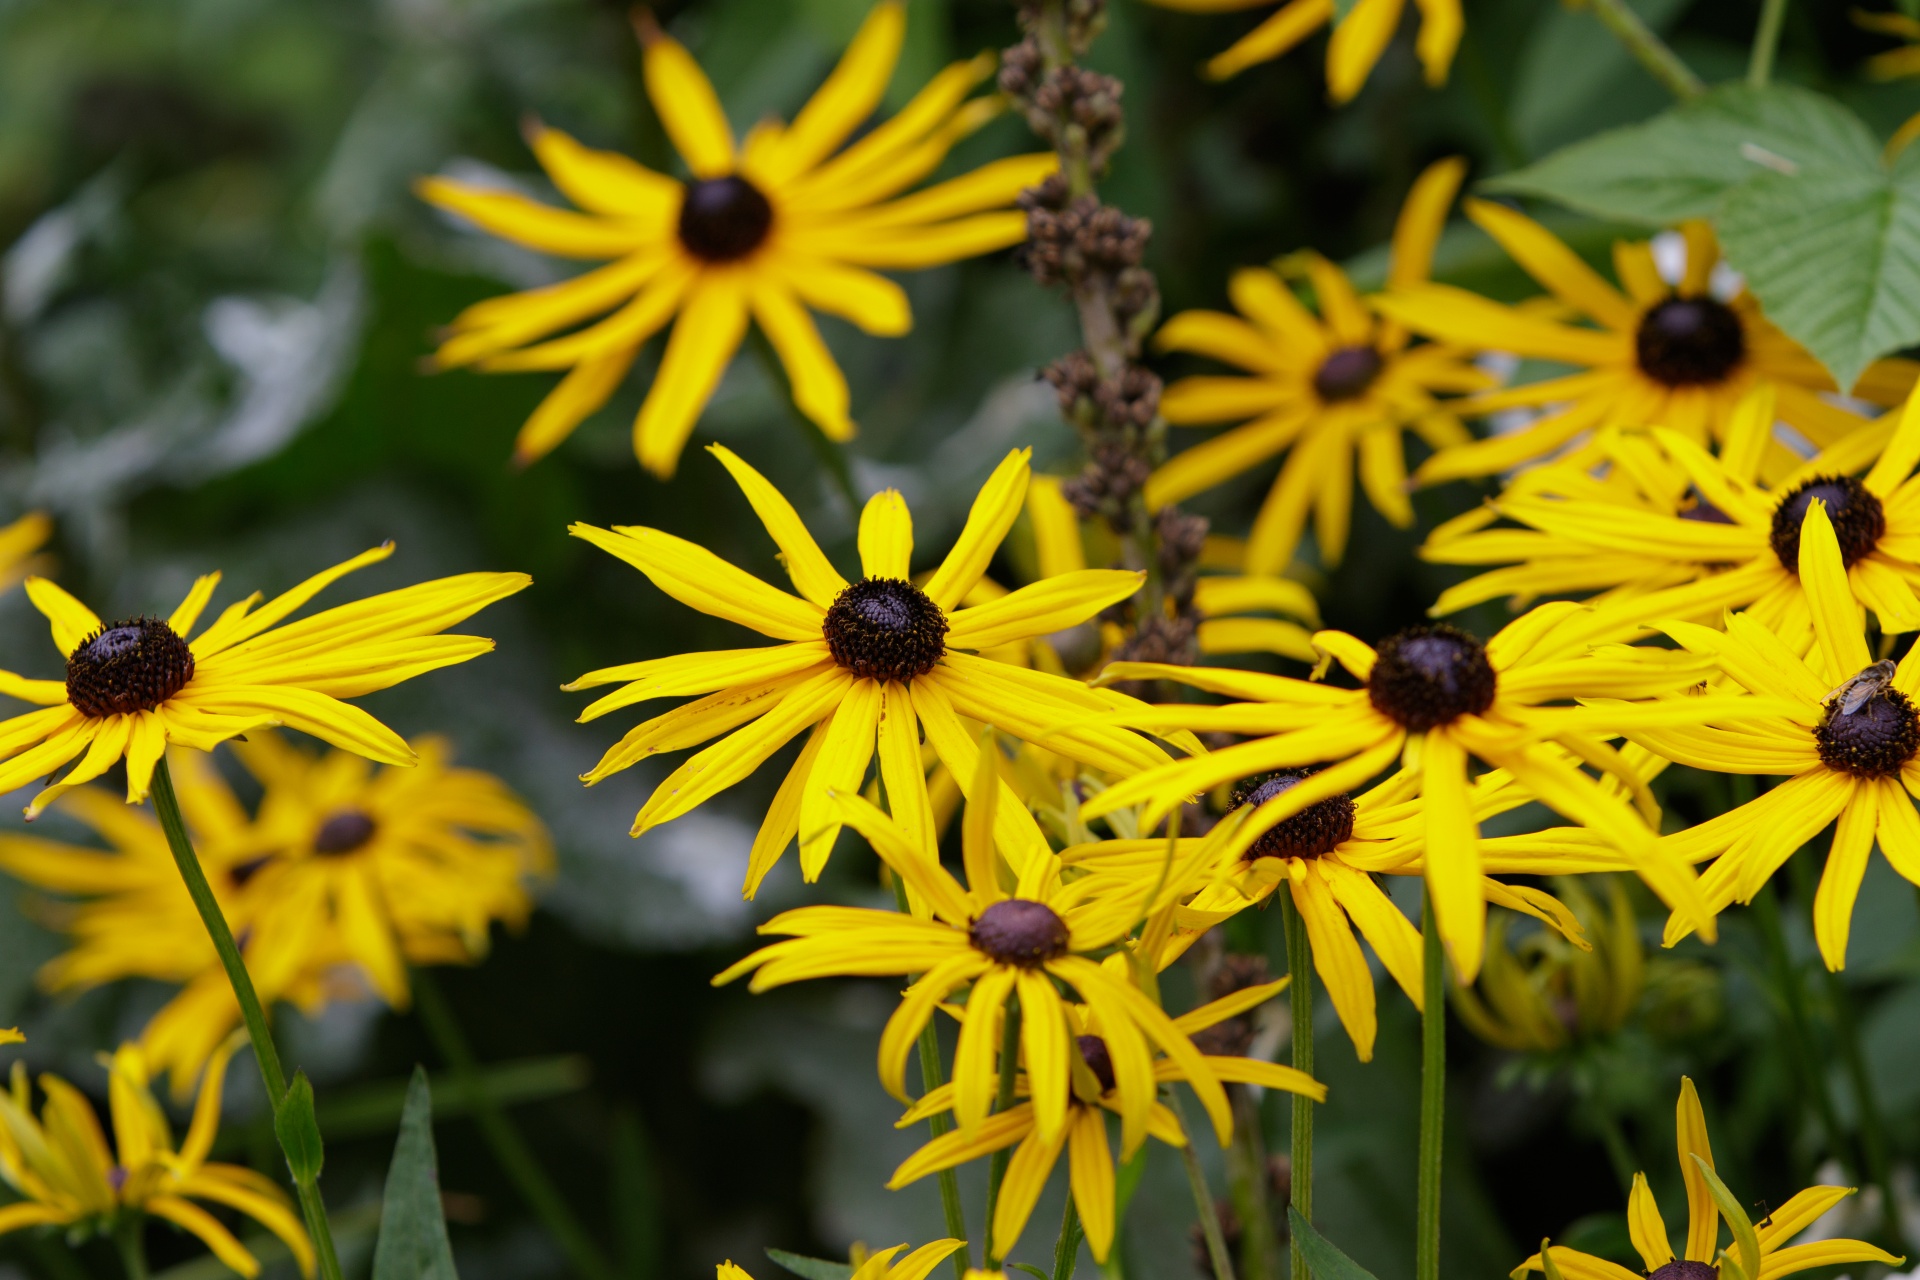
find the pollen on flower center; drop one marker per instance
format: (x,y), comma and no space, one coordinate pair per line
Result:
(1020,931)
(1346,373)
(1871,741)
(885,629)
(1685,342)
(1093,1050)
(344,831)
(128,667)
(1427,676)
(1319,828)
(1857,516)
(723,219)
(1685,1269)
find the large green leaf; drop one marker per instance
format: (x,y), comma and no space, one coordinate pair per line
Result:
(413,1230)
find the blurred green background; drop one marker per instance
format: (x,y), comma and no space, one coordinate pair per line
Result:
(215,296)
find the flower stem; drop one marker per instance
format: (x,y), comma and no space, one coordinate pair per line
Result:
(1433,1095)
(509,1148)
(1873,1145)
(1766,39)
(166,807)
(1661,62)
(997,1169)
(1300,998)
(127,1236)
(1247,1180)
(1066,1250)
(932,1076)
(1202,1197)
(1793,1001)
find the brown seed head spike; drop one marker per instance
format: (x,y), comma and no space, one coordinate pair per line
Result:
(1019,931)
(1319,828)
(885,629)
(1689,342)
(128,667)
(1873,740)
(1428,676)
(724,219)
(1856,514)
(344,831)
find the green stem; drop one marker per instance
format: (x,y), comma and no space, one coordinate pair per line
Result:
(1766,39)
(1433,1095)
(1873,1144)
(1247,1181)
(1202,1197)
(519,1163)
(932,1076)
(133,1248)
(1300,998)
(1009,1067)
(1066,1250)
(1766,912)
(831,456)
(166,807)
(1661,62)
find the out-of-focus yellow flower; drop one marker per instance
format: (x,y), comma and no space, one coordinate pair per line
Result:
(20,543)
(1543,994)
(1895,64)
(789,220)
(917,1265)
(1358,39)
(67,1175)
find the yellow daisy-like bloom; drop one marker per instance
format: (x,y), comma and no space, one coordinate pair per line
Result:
(1543,994)
(1092,1094)
(1755,1252)
(867,666)
(1675,533)
(1846,734)
(1438,697)
(132,687)
(917,1265)
(1004,946)
(1322,388)
(68,1175)
(787,221)
(1358,39)
(343,877)
(1658,354)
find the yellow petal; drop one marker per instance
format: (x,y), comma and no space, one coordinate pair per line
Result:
(886,536)
(703,342)
(689,109)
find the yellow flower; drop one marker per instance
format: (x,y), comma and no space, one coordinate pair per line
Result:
(1091,1081)
(1436,696)
(1676,355)
(1322,388)
(1846,733)
(1674,533)
(1543,994)
(67,1175)
(1358,39)
(787,221)
(342,870)
(917,1265)
(1756,1250)
(19,544)
(1004,946)
(1895,64)
(132,687)
(876,661)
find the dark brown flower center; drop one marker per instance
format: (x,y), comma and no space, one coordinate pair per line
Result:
(1685,1269)
(1686,342)
(1857,516)
(128,667)
(722,219)
(1093,1050)
(344,831)
(885,629)
(1428,676)
(1871,741)
(1346,373)
(1020,931)
(1315,830)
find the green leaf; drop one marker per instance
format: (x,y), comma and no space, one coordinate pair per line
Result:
(1029,1268)
(413,1229)
(1324,1259)
(1747,1265)
(1834,257)
(299,1133)
(811,1268)
(1681,163)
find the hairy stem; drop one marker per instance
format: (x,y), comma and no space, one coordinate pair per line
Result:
(1433,1095)
(1066,1250)
(1202,1197)
(1766,40)
(1300,998)
(1661,62)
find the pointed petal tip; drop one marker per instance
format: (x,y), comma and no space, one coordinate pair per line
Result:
(646,28)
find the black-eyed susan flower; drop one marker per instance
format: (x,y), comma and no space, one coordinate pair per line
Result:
(1845,735)
(917,1265)
(1025,944)
(1325,389)
(342,877)
(1677,353)
(1756,1252)
(1358,39)
(1092,1093)
(1436,697)
(865,666)
(1541,994)
(1673,532)
(136,685)
(68,1175)
(788,220)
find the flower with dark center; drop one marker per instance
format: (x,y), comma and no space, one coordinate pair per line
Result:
(344,831)
(1093,1051)
(885,629)
(1871,741)
(1347,373)
(1685,1269)
(1685,342)
(1319,828)
(1020,931)
(724,219)
(1427,676)
(128,667)
(1858,519)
